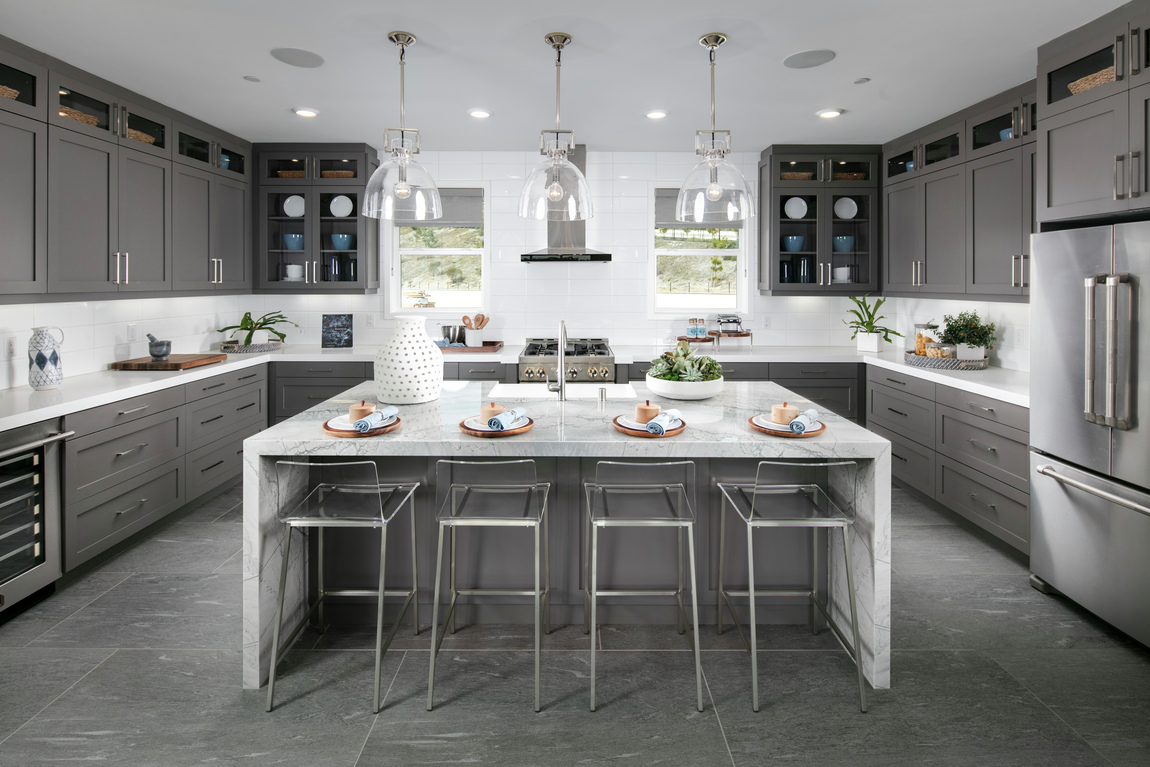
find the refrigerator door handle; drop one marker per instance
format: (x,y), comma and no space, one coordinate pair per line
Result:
(1088,378)
(1112,283)
(1048,471)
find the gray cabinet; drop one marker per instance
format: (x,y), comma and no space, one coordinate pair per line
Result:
(1138,185)
(23,204)
(24,87)
(925,245)
(1086,52)
(901,237)
(83,213)
(937,146)
(297,386)
(144,228)
(1083,165)
(211,230)
(198,147)
(478,371)
(997,222)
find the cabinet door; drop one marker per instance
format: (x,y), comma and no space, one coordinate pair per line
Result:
(1137,186)
(902,240)
(943,268)
(231,232)
(192,265)
(1139,57)
(1093,70)
(852,170)
(943,148)
(335,168)
(1083,167)
(193,147)
(231,161)
(798,170)
(23,204)
(145,223)
(848,260)
(994,222)
(995,129)
(286,243)
(145,130)
(79,107)
(23,87)
(796,220)
(768,260)
(899,160)
(285,168)
(1029,210)
(82,213)
(341,245)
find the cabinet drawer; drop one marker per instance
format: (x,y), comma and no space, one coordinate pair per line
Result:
(217,462)
(910,462)
(992,505)
(325,369)
(226,382)
(124,411)
(813,370)
(295,395)
(481,371)
(743,371)
(984,407)
(838,396)
(992,448)
(102,520)
(212,418)
(900,381)
(904,414)
(104,459)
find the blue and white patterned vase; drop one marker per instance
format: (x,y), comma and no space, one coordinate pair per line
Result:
(45,370)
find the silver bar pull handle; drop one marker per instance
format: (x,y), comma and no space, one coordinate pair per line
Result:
(1112,283)
(1013,281)
(921,270)
(980,407)
(985,447)
(127,265)
(38,443)
(134,506)
(1135,51)
(1016,122)
(1135,187)
(987,504)
(1023,282)
(1119,57)
(1048,471)
(140,446)
(1088,374)
(1118,159)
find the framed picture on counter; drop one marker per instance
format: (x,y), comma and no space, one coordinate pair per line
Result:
(336,332)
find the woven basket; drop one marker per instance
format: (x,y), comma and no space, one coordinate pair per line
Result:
(78,116)
(337,174)
(290,173)
(8,93)
(794,175)
(848,176)
(945,363)
(234,347)
(139,135)
(1092,81)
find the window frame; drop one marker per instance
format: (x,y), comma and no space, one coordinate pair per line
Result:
(393,296)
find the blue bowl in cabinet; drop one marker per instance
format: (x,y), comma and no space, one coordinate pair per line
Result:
(293,242)
(341,241)
(1006,134)
(843,244)
(793,243)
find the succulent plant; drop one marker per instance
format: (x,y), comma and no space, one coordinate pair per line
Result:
(680,364)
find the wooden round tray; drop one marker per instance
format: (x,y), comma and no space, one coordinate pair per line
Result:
(740,334)
(504,433)
(696,339)
(644,433)
(787,434)
(355,434)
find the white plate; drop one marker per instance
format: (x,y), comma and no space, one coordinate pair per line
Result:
(630,423)
(475,423)
(846,208)
(766,422)
(796,207)
(292,279)
(294,206)
(344,423)
(341,206)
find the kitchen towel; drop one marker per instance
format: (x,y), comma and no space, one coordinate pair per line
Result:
(505,419)
(441,342)
(668,419)
(805,420)
(370,421)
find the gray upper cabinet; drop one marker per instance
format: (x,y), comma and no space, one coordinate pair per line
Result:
(23,87)
(200,148)
(23,204)
(1004,126)
(83,213)
(901,244)
(307,166)
(938,146)
(145,221)
(1083,161)
(943,268)
(144,129)
(79,106)
(211,231)
(1087,65)
(1138,186)
(996,221)
(231,232)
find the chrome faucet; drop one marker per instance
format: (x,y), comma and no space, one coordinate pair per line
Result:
(560,384)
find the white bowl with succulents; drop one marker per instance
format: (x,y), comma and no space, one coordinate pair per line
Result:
(679,374)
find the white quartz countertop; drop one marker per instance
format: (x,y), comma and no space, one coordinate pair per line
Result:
(716,428)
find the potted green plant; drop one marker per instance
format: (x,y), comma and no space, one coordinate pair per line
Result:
(257,331)
(868,333)
(679,374)
(970,335)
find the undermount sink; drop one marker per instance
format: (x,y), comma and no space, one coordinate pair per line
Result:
(574,391)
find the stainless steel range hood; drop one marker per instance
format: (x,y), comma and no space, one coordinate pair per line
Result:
(567,240)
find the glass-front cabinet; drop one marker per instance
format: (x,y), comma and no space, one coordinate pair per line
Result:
(1096,68)
(827,168)
(822,241)
(23,87)
(312,168)
(932,150)
(200,149)
(82,108)
(1007,124)
(314,238)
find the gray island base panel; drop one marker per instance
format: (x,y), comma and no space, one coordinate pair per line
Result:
(566,441)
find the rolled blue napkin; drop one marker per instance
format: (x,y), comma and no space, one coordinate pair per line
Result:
(505,419)
(441,342)
(805,420)
(372,420)
(660,423)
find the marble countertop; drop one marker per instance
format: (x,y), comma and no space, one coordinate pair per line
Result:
(716,428)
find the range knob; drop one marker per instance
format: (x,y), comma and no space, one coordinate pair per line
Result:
(593,372)
(604,373)
(528,373)
(540,373)
(572,372)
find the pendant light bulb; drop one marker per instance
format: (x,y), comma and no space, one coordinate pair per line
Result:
(714,192)
(555,192)
(402,191)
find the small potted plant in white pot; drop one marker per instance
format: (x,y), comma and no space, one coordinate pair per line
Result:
(678,374)
(868,333)
(258,332)
(970,335)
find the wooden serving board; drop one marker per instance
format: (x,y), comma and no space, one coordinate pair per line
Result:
(355,434)
(488,346)
(787,434)
(696,339)
(644,433)
(504,433)
(740,334)
(173,362)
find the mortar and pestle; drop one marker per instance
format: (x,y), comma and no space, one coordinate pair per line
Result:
(158,349)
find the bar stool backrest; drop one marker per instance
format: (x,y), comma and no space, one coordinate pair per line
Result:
(346,491)
(469,479)
(824,483)
(619,476)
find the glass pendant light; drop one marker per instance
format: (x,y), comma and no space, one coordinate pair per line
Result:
(401,189)
(556,190)
(714,192)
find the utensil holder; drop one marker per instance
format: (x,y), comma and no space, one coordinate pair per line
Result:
(472,337)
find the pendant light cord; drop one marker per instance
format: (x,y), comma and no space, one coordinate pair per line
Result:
(403,115)
(711,49)
(558,67)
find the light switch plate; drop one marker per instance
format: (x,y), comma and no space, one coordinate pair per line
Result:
(10,348)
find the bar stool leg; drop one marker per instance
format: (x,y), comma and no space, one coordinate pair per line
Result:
(379,614)
(594,617)
(814,580)
(695,618)
(286,546)
(454,595)
(854,618)
(754,624)
(322,591)
(546,575)
(722,547)
(414,574)
(435,617)
(679,596)
(538,619)
(586,573)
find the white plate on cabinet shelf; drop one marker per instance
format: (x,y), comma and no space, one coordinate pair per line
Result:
(846,208)
(796,207)
(341,206)
(294,206)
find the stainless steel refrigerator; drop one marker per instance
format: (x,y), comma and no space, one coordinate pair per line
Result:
(1090,420)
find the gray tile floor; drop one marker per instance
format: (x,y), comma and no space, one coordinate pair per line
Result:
(138,664)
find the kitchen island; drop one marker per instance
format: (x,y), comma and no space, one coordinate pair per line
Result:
(566,441)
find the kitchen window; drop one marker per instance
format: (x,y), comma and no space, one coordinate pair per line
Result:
(695,267)
(439,264)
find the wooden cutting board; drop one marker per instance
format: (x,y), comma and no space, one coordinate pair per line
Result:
(173,362)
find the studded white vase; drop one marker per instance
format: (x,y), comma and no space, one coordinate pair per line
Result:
(409,366)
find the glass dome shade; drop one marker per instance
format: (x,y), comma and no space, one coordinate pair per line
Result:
(555,191)
(402,190)
(715,192)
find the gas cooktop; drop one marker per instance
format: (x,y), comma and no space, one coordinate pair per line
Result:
(587,359)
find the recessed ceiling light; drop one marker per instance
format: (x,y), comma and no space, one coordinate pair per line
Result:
(656,114)
(251,78)
(306,112)
(862,81)
(827,114)
(481,114)
(297,57)
(808,59)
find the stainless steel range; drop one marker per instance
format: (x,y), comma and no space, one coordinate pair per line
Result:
(585,359)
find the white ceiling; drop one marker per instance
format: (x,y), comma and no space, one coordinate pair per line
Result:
(925,58)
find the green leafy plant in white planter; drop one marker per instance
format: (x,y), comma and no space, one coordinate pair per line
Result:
(258,330)
(970,335)
(868,333)
(678,374)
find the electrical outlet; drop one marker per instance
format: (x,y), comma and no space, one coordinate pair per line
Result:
(766,323)
(133,332)
(371,319)
(10,348)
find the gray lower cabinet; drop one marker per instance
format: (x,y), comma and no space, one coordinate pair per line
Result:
(103,459)
(996,507)
(745,371)
(910,462)
(838,395)
(477,371)
(1083,161)
(905,414)
(220,461)
(213,417)
(297,386)
(23,204)
(211,230)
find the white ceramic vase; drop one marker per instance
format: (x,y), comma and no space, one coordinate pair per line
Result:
(409,366)
(869,342)
(45,368)
(968,352)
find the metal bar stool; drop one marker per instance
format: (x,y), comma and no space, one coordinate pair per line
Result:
(490,494)
(641,495)
(346,494)
(804,504)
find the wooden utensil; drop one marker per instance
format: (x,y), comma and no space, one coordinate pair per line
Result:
(480,319)
(467,323)
(485,321)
